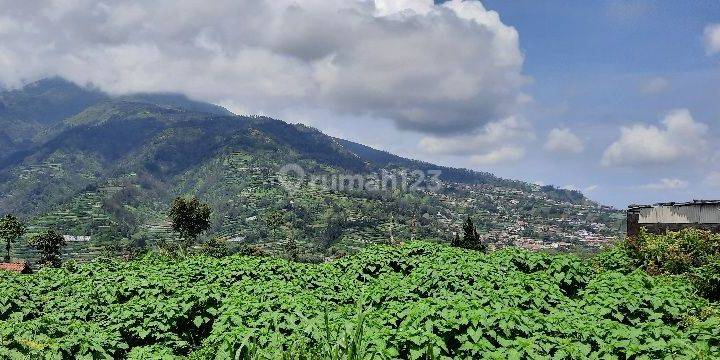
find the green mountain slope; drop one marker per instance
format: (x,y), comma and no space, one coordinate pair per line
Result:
(25,112)
(110,170)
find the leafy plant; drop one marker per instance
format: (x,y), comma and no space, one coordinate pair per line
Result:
(419,300)
(674,252)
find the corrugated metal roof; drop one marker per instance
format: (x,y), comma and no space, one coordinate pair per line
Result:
(634,207)
(703,214)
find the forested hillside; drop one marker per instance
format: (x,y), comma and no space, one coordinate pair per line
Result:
(90,164)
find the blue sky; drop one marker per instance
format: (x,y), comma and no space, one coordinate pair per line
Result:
(618,99)
(595,67)
(591,60)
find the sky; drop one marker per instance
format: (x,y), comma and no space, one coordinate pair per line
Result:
(617,99)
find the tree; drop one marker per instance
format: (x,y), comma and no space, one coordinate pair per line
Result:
(10,230)
(456,242)
(276,224)
(190,218)
(216,247)
(49,243)
(334,226)
(471,239)
(291,249)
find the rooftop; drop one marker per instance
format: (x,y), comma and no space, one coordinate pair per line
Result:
(17,267)
(688,203)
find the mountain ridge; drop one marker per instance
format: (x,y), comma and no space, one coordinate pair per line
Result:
(111,168)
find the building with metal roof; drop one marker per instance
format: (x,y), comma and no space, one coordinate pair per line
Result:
(662,217)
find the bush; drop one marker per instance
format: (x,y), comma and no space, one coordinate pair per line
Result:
(692,253)
(707,279)
(674,252)
(616,258)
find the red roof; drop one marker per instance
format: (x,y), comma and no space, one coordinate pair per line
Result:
(17,267)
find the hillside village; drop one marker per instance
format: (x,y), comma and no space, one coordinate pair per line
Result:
(526,217)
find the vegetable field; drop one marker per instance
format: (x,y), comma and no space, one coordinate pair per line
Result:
(416,301)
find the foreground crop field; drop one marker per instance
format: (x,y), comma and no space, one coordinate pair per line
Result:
(419,300)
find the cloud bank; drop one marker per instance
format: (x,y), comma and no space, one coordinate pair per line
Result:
(563,141)
(679,138)
(711,36)
(439,69)
(499,141)
(666,184)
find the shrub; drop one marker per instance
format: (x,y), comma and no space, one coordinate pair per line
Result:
(674,252)
(616,258)
(707,279)
(692,253)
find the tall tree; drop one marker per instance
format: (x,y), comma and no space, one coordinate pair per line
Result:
(471,239)
(292,251)
(10,230)
(189,218)
(49,244)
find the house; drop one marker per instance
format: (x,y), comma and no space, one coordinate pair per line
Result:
(21,267)
(77,238)
(663,217)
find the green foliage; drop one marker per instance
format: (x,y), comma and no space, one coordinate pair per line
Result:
(415,301)
(291,249)
(216,247)
(190,218)
(616,258)
(471,238)
(675,252)
(692,253)
(49,243)
(10,230)
(707,278)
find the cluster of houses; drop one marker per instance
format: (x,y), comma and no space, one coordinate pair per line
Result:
(658,218)
(532,220)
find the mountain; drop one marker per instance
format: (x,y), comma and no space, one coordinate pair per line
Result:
(26,111)
(88,163)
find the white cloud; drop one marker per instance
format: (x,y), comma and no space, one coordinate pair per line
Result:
(563,141)
(504,154)
(713,179)
(511,130)
(591,188)
(666,184)
(680,137)
(353,57)
(654,85)
(711,36)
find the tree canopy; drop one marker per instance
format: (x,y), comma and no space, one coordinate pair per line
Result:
(189,218)
(10,229)
(49,243)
